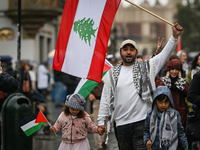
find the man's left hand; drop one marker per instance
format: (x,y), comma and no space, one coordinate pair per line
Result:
(177,29)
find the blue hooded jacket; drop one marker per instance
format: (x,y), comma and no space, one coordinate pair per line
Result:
(180,130)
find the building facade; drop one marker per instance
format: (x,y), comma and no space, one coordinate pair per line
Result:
(39,28)
(133,23)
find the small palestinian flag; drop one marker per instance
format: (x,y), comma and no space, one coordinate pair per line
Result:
(33,123)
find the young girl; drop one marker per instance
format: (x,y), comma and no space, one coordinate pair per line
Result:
(74,123)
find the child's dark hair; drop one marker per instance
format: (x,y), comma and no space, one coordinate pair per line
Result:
(162,97)
(81,114)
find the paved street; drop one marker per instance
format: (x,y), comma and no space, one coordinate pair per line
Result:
(51,142)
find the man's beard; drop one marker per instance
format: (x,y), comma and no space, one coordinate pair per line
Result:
(130,62)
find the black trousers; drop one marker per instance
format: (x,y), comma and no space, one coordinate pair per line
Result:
(130,136)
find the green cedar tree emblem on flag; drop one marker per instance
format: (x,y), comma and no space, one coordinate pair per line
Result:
(85,29)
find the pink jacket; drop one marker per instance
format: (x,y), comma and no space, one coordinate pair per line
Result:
(74,130)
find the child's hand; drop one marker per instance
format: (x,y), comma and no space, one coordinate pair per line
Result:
(52,129)
(92,97)
(148,145)
(101,130)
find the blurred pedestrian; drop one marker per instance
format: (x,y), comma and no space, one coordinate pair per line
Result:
(32,75)
(26,83)
(140,58)
(71,82)
(59,87)
(43,78)
(185,66)
(74,123)
(128,92)
(7,84)
(195,68)
(163,128)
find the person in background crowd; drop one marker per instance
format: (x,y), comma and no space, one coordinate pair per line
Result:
(162,71)
(163,127)
(140,58)
(32,75)
(193,95)
(71,82)
(7,84)
(43,78)
(195,68)
(178,86)
(60,79)
(25,76)
(128,92)
(183,58)
(6,64)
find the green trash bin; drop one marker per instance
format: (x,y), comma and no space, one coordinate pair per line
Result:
(16,107)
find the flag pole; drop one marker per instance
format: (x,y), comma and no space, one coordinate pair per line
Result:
(47,121)
(150,13)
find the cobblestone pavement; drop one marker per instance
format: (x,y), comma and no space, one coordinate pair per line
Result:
(42,141)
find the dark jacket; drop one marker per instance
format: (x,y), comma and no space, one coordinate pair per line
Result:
(194,91)
(180,130)
(65,78)
(8,83)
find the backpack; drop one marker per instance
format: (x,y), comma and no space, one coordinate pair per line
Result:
(26,84)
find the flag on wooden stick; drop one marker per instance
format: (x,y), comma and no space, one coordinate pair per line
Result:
(33,123)
(179,45)
(83,37)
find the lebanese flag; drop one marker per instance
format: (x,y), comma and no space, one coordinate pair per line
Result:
(85,86)
(83,37)
(179,45)
(33,123)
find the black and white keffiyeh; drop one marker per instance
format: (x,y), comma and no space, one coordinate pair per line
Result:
(167,129)
(180,82)
(143,81)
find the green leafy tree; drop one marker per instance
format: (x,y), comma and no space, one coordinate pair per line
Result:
(189,18)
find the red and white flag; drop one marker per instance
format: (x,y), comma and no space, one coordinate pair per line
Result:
(179,45)
(83,37)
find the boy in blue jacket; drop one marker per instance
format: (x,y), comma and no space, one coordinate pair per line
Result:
(163,128)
